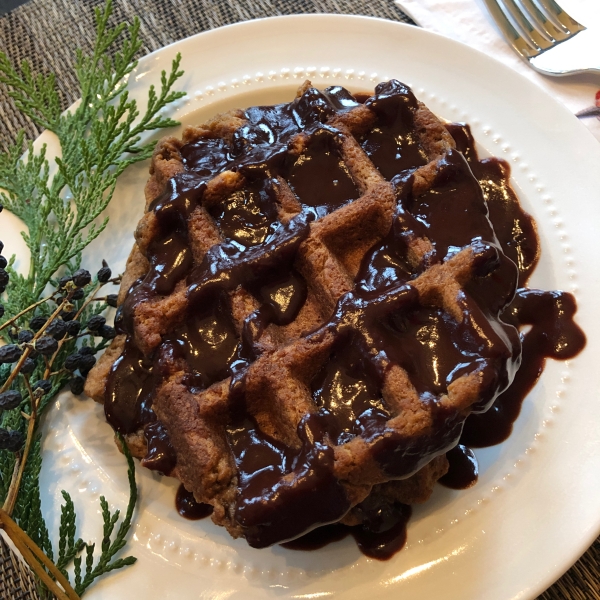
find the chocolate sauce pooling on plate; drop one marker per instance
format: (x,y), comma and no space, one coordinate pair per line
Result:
(553,332)
(285,492)
(381,536)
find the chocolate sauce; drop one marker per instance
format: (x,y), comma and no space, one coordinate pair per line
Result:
(129,391)
(207,341)
(455,198)
(271,508)
(384,532)
(170,254)
(248,216)
(319,177)
(381,535)
(206,157)
(161,455)
(284,490)
(283,293)
(463,471)
(348,387)
(553,334)
(319,538)
(392,144)
(188,507)
(514,228)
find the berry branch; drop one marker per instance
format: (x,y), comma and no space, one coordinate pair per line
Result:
(51,318)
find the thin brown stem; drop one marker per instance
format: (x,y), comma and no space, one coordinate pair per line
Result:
(34,556)
(14,477)
(15,484)
(27,351)
(25,311)
(49,363)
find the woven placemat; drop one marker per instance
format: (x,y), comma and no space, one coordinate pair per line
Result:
(16,582)
(36,32)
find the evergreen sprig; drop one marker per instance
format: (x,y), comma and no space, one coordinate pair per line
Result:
(99,139)
(109,547)
(60,202)
(74,550)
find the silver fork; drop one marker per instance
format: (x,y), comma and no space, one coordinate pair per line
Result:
(545,36)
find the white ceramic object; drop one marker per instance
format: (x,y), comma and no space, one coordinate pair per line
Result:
(536,507)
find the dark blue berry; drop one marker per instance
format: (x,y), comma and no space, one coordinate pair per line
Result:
(3,262)
(10,399)
(1,310)
(43,384)
(11,440)
(77,295)
(25,336)
(104,274)
(68,315)
(46,345)
(73,327)
(86,362)
(57,329)
(28,366)
(3,278)
(107,332)
(86,351)
(1,243)
(111,300)
(72,361)
(96,322)
(10,353)
(81,277)
(76,385)
(37,323)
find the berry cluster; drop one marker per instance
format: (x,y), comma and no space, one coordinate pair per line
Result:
(38,344)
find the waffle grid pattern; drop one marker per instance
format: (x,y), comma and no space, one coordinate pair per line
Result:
(328,257)
(35,32)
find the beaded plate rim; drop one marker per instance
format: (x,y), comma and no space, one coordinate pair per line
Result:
(171,545)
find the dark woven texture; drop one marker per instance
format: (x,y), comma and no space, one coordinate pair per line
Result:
(16,582)
(37,30)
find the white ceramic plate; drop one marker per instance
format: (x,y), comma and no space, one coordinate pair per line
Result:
(536,507)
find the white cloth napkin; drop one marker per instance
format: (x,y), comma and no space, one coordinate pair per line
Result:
(469,22)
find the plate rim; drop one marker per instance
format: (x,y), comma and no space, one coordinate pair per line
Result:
(172,48)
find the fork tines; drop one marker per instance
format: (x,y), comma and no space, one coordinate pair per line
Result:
(532,26)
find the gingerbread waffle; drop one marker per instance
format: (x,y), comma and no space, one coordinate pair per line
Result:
(310,311)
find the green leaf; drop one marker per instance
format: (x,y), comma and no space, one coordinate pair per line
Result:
(61,202)
(110,547)
(68,548)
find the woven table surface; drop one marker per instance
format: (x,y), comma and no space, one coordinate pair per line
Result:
(36,31)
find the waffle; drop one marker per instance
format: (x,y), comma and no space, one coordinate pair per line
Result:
(310,311)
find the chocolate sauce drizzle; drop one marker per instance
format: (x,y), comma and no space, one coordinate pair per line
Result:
(553,332)
(188,508)
(463,470)
(283,491)
(392,144)
(380,536)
